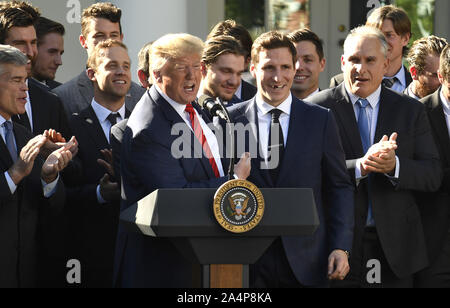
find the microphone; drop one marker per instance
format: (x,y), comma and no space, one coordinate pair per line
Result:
(212,106)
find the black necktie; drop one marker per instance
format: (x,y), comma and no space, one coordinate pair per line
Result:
(389,82)
(112,118)
(9,140)
(23,120)
(276,145)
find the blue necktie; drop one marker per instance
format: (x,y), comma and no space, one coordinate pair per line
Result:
(363,124)
(9,138)
(364,131)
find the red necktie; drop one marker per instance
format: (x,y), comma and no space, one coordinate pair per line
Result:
(198,132)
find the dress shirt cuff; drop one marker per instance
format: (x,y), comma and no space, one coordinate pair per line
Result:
(394,179)
(49,189)
(12,186)
(358,175)
(236,177)
(99,196)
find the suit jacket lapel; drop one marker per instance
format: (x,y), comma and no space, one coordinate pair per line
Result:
(86,88)
(297,131)
(92,125)
(175,118)
(252,115)
(440,125)
(385,114)
(5,157)
(345,114)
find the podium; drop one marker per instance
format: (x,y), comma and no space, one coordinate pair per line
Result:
(185,216)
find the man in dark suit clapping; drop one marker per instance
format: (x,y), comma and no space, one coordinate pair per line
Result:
(386,172)
(31,192)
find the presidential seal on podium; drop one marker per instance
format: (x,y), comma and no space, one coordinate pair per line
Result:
(238,206)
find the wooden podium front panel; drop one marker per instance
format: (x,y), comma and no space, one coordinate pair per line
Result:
(226,276)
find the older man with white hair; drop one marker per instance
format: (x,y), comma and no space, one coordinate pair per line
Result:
(386,171)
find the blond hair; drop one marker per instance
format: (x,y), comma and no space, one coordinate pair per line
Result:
(173,46)
(98,51)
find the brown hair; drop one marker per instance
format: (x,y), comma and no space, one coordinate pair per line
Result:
(16,14)
(431,45)
(272,40)
(92,61)
(45,26)
(398,16)
(307,35)
(238,31)
(444,65)
(104,10)
(220,45)
(144,59)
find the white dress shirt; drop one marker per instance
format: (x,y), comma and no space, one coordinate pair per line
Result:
(312,94)
(446,107)
(102,114)
(209,135)
(372,114)
(239,91)
(48,189)
(265,120)
(410,92)
(28,108)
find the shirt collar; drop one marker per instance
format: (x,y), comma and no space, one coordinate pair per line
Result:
(445,103)
(265,108)
(374,98)
(401,77)
(411,93)
(310,95)
(179,108)
(2,120)
(102,113)
(239,91)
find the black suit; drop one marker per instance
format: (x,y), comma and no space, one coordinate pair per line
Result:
(434,207)
(338,79)
(116,137)
(24,217)
(52,84)
(96,223)
(395,211)
(47,111)
(248,91)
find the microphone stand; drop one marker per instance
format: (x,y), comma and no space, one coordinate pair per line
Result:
(232,158)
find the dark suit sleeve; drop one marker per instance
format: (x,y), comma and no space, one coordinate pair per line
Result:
(64,127)
(423,172)
(338,190)
(155,167)
(446,182)
(5,192)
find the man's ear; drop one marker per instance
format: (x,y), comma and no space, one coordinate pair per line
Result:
(253,70)
(323,62)
(204,70)
(413,72)
(143,79)
(83,41)
(91,74)
(157,76)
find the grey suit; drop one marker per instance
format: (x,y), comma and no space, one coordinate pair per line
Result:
(77,94)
